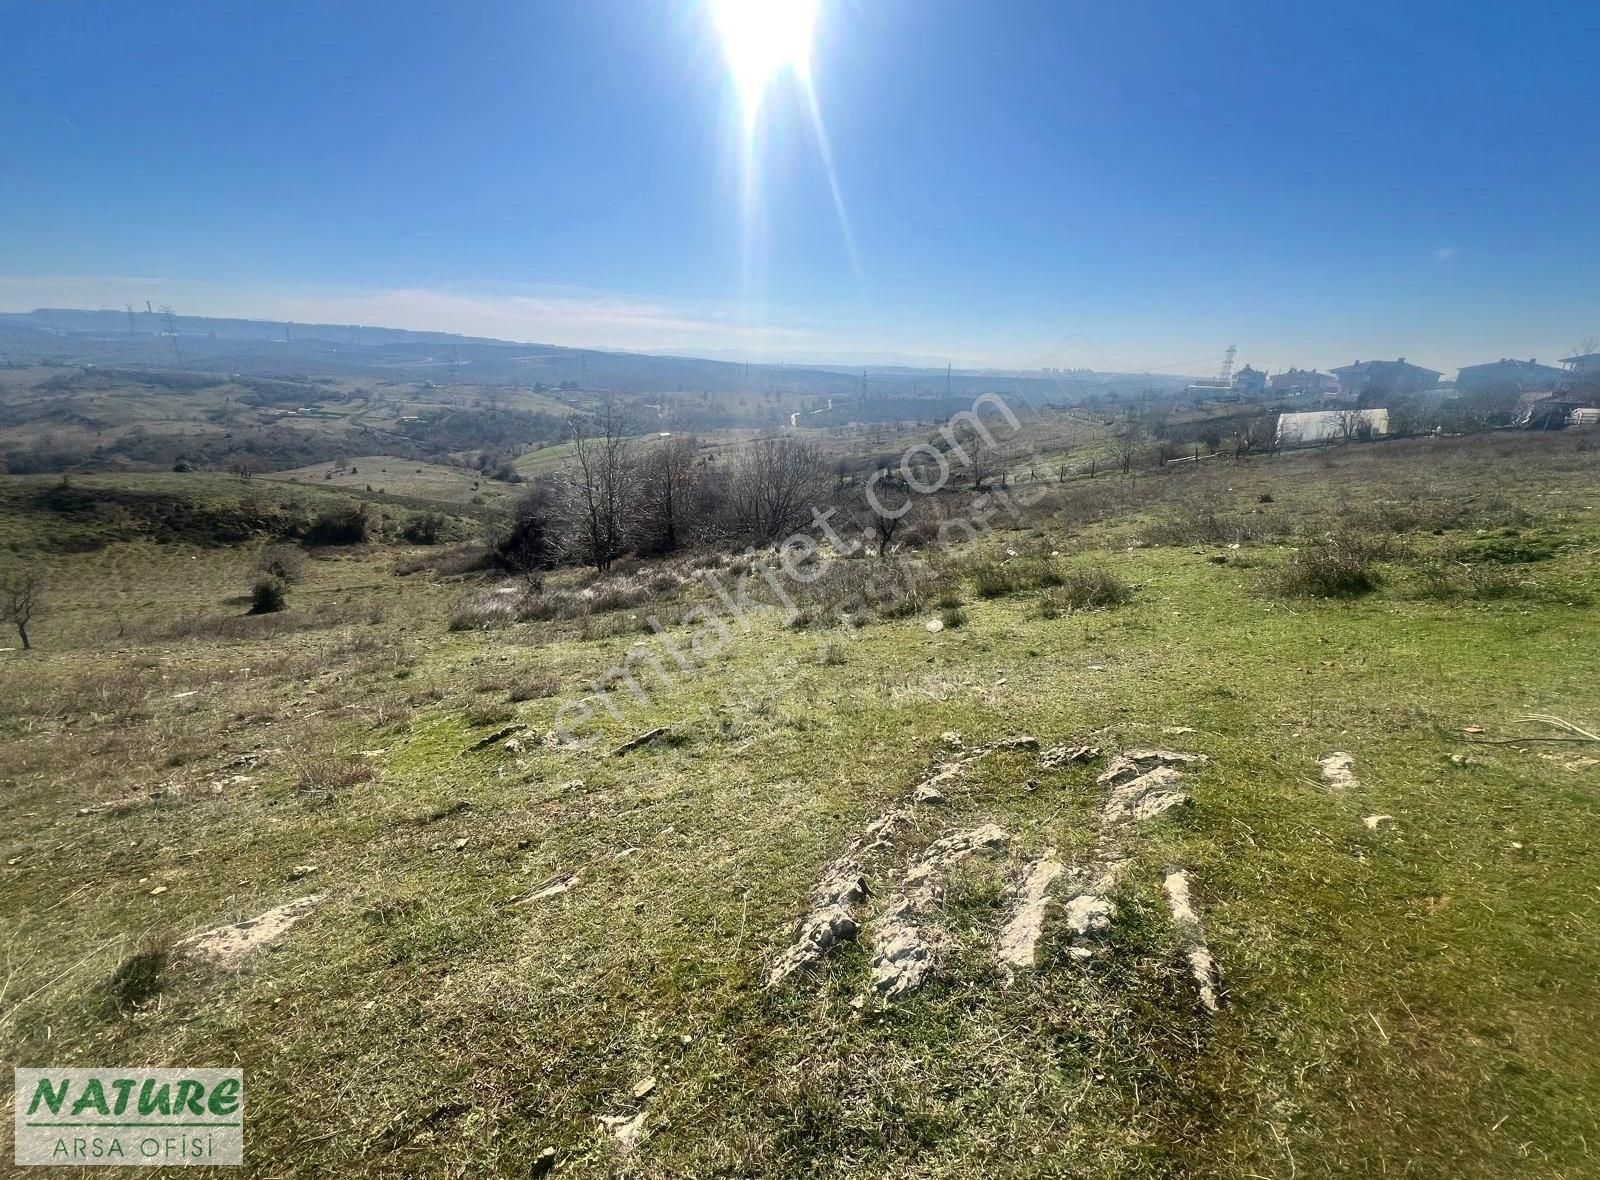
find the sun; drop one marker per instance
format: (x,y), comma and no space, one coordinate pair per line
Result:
(761,39)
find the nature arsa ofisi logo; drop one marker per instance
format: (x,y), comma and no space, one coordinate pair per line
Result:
(122,1116)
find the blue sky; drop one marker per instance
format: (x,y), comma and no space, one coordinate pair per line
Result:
(1131,185)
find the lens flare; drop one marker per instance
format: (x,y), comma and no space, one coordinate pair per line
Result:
(762,39)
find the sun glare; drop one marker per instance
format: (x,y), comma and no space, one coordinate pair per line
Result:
(761,39)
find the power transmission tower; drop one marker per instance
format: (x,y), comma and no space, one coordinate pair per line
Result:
(1226,376)
(129,308)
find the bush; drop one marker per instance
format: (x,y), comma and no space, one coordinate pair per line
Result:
(995,579)
(140,977)
(1088,588)
(322,770)
(447,563)
(267,596)
(283,562)
(1204,525)
(1341,567)
(483,609)
(953,616)
(425,529)
(856,591)
(340,526)
(534,687)
(1445,580)
(482,713)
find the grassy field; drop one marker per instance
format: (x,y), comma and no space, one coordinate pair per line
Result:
(386,474)
(528,948)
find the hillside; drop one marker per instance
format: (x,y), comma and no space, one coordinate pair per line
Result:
(1182,823)
(276,349)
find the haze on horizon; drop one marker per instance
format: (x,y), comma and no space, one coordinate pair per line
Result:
(1019,185)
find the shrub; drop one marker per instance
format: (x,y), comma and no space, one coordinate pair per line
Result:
(994,579)
(855,591)
(340,526)
(1086,588)
(447,563)
(1201,524)
(947,593)
(831,655)
(953,616)
(140,976)
(483,609)
(283,562)
(323,770)
(1446,580)
(1340,567)
(482,713)
(424,529)
(267,596)
(534,687)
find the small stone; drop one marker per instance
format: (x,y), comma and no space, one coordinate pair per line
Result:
(933,626)
(544,1162)
(1372,821)
(512,746)
(625,1129)
(158,891)
(461,842)
(642,1089)
(928,793)
(300,872)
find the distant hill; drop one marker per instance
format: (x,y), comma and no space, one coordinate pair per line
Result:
(274,348)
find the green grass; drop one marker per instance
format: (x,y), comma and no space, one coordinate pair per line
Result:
(1415,1000)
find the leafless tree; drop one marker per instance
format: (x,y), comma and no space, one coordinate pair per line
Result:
(595,487)
(1259,432)
(668,480)
(22,599)
(1349,425)
(1126,444)
(983,464)
(775,484)
(901,509)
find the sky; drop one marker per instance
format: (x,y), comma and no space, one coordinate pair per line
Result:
(1129,186)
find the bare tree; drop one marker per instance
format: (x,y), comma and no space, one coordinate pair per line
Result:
(22,599)
(882,523)
(1259,432)
(1351,426)
(596,486)
(982,462)
(775,484)
(668,481)
(1126,444)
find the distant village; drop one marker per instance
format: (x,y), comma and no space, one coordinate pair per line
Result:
(1370,399)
